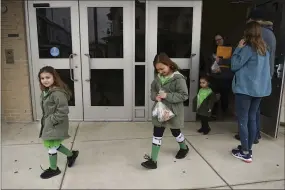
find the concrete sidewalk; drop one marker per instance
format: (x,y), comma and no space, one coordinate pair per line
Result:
(111,153)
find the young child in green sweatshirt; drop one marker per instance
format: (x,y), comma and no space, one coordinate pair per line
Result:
(203,104)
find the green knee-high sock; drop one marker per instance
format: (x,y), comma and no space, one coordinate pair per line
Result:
(53,161)
(182,145)
(181,141)
(154,152)
(64,150)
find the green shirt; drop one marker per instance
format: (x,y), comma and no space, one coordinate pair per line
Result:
(45,92)
(202,95)
(164,79)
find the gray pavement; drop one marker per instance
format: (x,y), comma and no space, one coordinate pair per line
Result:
(111,153)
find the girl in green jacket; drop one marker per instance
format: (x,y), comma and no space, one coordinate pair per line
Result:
(168,87)
(54,122)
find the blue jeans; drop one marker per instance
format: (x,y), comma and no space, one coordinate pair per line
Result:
(246,109)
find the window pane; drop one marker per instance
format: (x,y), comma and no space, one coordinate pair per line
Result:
(54,32)
(186,73)
(174,33)
(140,32)
(139,85)
(105,32)
(107,87)
(65,77)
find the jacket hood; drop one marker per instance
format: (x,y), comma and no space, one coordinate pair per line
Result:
(266,24)
(175,75)
(61,90)
(178,75)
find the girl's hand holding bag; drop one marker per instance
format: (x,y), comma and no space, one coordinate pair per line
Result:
(162,112)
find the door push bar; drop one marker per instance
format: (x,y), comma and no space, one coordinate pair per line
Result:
(70,67)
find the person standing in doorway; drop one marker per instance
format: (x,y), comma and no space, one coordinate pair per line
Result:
(203,104)
(252,81)
(221,77)
(168,87)
(263,18)
(54,122)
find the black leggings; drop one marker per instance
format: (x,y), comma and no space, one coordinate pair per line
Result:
(158,132)
(204,122)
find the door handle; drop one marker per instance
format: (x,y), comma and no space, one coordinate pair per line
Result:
(191,56)
(89,67)
(70,67)
(190,67)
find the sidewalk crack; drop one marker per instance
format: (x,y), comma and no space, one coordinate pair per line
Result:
(209,164)
(72,143)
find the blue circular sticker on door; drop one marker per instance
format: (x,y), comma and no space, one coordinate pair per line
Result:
(54,51)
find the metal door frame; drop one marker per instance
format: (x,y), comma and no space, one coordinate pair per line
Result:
(117,113)
(34,67)
(196,35)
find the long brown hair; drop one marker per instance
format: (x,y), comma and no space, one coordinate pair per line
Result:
(57,80)
(164,59)
(253,38)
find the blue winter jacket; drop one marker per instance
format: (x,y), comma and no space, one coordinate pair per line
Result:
(252,72)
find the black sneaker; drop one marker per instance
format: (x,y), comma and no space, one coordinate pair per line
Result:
(71,159)
(207,131)
(239,148)
(256,141)
(200,130)
(237,137)
(149,164)
(182,153)
(49,173)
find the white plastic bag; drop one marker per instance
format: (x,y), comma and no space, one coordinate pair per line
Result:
(162,112)
(215,66)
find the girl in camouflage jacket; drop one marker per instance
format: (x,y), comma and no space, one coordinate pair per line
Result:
(54,122)
(169,87)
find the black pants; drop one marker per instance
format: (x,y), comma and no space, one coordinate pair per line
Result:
(204,122)
(158,132)
(222,86)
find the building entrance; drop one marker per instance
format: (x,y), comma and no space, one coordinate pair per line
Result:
(104,51)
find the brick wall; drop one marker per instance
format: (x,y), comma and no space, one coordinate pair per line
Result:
(16,99)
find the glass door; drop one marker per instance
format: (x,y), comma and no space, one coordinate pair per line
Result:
(174,27)
(107,35)
(54,39)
